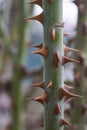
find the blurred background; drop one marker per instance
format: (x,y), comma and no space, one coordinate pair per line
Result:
(19,69)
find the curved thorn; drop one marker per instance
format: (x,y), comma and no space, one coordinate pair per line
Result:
(50,84)
(67,59)
(56,59)
(43,51)
(39,46)
(67,86)
(39,2)
(41,85)
(39,18)
(66,34)
(57,109)
(53,33)
(64,122)
(43,98)
(66,94)
(68,49)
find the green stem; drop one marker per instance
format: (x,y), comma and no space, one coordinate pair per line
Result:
(17,90)
(5,37)
(81,45)
(52,17)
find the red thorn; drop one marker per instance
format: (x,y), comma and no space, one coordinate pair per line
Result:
(56,59)
(43,51)
(57,109)
(39,18)
(41,85)
(64,122)
(67,59)
(39,2)
(43,98)
(50,84)
(66,94)
(68,49)
(67,86)
(39,46)
(53,33)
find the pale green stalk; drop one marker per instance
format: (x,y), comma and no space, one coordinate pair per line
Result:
(53,16)
(17,90)
(81,88)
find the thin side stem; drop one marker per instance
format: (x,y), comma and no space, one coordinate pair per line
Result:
(17,90)
(81,44)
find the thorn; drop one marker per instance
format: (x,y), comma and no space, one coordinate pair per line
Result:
(41,85)
(57,109)
(71,102)
(50,84)
(23,71)
(50,1)
(67,87)
(81,58)
(66,34)
(53,30)
(75,127)
(43,51)
(81,7)
(56,59)
(53,33)
(84,108)
(85,29)
(66,94)
(39,2)
(41,124)
(59,25)
(67,112)
(39,18)
(39,46)
(68,49)
(43,98)
(67,59)
(64,122)
(78,78)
